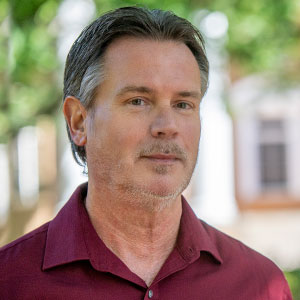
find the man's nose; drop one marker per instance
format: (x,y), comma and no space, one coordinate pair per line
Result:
(164,124)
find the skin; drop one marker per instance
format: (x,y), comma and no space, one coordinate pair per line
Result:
(141,140)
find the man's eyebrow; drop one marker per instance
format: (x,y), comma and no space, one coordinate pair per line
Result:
(192,94)
(133,88)
(147,90)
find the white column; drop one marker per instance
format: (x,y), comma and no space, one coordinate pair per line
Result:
(28,173)
(4,184)
(213,198)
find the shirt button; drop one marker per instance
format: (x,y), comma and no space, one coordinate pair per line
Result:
(150,294)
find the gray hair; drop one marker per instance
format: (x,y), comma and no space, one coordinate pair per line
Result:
(84,68)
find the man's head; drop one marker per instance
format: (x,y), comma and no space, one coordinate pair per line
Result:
(84,69)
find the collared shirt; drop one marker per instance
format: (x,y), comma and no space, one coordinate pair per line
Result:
(65,259)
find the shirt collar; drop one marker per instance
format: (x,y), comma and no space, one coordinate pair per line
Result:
(195,236)
(65,242)
(71,237)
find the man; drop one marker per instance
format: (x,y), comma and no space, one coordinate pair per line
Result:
(134,80)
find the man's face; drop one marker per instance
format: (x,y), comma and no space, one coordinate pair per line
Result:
(144,130)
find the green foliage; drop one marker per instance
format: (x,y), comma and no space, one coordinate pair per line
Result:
(28,64)
(293,279)
(263,35)
(179,7)
(22,12)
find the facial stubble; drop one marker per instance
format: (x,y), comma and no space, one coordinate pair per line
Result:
(152,200)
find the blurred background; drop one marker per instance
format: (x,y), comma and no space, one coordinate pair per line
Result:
(247,180)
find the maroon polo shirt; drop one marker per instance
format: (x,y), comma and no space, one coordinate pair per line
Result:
(65,259)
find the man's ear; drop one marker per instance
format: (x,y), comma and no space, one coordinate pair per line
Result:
(75,115)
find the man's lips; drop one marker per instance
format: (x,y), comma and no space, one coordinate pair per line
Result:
(162,158)
(163,152)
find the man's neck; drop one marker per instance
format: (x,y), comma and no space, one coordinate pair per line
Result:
(142,238)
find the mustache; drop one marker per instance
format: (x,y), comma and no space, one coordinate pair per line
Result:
(165,148)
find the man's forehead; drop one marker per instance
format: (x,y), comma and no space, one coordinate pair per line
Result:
(147,44)
(150,66)
(140,54)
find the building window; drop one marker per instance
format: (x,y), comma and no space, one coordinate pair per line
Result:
(272,155)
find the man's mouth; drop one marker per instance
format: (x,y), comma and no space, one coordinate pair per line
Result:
(162,158)
(163,153)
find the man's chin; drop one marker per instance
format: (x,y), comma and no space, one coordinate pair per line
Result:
(153,193)
(160,196)
(158,200)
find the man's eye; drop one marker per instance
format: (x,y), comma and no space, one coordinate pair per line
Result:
(137,101)
(183,105)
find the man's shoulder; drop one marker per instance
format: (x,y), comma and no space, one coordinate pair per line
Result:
(247,267)
(26,238)
(235,252)
(24,249)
